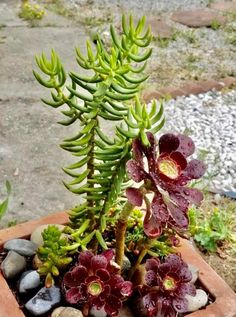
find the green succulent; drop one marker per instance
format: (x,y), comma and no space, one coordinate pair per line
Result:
(109,92)
(53,254)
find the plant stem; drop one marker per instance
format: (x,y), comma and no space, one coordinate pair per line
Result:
(148,243)
(139,261)
(121,231)
(90,166)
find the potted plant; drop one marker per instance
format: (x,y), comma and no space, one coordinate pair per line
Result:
(136,194)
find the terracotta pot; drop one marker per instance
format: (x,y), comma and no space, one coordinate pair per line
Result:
(225,299)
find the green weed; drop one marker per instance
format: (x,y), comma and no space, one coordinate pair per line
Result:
(212,226)
(190,36)
(4,203)
(215,24)
(162,42)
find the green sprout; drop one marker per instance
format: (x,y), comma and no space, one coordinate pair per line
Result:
(215,24)
(4,203)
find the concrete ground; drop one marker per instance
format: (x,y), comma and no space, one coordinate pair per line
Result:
(30,157)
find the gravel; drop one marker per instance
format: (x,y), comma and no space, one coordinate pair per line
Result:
(142,6)
(210,119)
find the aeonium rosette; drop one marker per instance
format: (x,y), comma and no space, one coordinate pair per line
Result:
(166,176)
(95,282)
(167,284)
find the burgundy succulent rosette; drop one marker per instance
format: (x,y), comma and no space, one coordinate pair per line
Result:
(166,175)
(95,282)
(167,284)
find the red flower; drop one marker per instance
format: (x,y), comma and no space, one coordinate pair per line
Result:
(167,177)
(95,282)
(168,284)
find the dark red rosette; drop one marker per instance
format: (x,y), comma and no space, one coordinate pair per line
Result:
(167,284)
(166,175)
(96,282)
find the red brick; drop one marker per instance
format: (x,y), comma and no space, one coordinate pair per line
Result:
(198,17)
(229,82)
(160,28)
(192,88)
(210,84)
(149,95)
(224,6)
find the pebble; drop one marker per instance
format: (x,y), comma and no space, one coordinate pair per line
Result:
(196,302)
(194,272)
(124,312)
(13,265)
(44,301)
(36,236)
(94,312)
(66,312)
(29,280)
(21,246)
(126,265)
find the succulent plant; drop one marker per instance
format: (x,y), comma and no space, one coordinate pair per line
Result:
(95,282)
(100,177)
(167,284)
(166,177)
(53,254)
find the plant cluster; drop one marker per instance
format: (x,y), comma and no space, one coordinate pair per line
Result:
(52,254)
(167,284)
(211,229)
(31,12)
(105,173)
(95,282)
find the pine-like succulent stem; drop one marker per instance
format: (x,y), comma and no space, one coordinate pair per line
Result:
(121,232)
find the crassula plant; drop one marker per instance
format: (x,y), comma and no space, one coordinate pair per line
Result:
(114,175)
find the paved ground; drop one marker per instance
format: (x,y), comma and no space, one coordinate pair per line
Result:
(29,135)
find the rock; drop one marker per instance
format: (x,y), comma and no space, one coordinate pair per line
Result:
(44,301)
(194,272)
(36,235)
(94,312)
(230,194)
(21,246)
(124,312)
(29,280)
(13,265)
(126,265)
(66,312)
(197,17)
(197,302)
(223,6)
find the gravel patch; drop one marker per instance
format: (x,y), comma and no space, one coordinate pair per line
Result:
(210,119)
(143,6)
